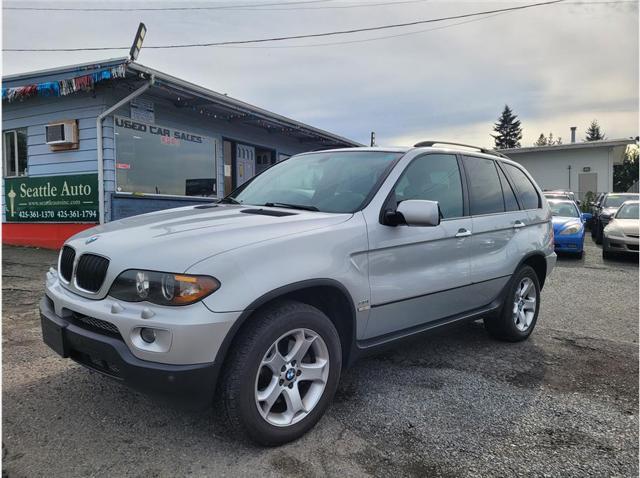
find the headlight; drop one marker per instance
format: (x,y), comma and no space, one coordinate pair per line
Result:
(162,288)
(573,229)
(612,228)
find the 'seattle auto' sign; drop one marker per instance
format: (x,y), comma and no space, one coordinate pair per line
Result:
(52,198)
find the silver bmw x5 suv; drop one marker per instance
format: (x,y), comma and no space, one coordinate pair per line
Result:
(256,303)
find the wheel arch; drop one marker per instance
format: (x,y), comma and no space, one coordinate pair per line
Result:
(538,262)
(327,295)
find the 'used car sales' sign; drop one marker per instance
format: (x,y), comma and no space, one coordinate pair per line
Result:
(52,198)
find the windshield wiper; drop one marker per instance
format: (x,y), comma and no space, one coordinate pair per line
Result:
(229,200)
(291,206)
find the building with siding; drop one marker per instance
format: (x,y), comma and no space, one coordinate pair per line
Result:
(578,167)
(102,141)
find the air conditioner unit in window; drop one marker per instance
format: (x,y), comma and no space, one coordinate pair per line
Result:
(62,132)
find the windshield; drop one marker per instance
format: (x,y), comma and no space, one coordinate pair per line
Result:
(615,200)
(325,181)
(628,211)
(563,209)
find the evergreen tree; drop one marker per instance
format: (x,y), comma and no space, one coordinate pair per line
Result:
(542,140)
(626,174)
(552,141)
(594,133)
(508,129)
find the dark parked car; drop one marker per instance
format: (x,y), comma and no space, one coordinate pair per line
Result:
(606,209)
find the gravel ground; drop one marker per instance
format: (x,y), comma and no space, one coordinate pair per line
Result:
(564,403)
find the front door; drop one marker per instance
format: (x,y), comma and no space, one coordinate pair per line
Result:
(416,273)
(245,163)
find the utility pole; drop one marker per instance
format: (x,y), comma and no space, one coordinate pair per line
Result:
(373,138)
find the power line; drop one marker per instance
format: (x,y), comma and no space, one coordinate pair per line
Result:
(151,9)
(386,37)
(260,6)
(297,37)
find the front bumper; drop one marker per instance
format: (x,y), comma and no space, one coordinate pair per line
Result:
(569,243)
(190,385)
(621,244)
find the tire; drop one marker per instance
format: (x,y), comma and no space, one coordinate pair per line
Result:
(268,340)
(579,255)
(594,228)
(508,324)
(606,254)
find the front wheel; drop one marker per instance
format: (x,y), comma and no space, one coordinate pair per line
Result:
(519,312)
(282,373)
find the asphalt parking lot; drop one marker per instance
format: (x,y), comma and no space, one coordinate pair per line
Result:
(564,403)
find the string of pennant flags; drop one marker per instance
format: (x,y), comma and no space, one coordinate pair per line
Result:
(63,87)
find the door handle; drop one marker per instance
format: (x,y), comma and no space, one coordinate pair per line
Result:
(462,232)
(518,224)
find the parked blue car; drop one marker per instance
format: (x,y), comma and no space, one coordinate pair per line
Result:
(568,226)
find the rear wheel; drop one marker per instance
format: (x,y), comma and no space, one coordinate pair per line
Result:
(282,373)
(519,313)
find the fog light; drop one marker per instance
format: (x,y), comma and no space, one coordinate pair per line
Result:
(148,335)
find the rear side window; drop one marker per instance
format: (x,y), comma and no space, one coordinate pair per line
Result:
(485,191)
(510,202)
(526,190)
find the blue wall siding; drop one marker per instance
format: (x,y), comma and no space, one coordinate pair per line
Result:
(34,113)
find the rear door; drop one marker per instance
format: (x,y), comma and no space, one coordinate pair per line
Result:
(417,274)
(497,222)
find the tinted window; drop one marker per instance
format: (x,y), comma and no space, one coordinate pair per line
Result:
(510,202)
(485,192)
(526,190)
(434,177)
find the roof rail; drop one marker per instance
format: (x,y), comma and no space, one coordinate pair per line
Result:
(428,144)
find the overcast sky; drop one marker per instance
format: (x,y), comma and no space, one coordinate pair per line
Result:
(557,66)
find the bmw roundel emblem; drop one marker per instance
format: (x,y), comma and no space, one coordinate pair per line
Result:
(91,239)
(290,374)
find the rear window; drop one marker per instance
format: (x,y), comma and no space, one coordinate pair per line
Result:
(526,190)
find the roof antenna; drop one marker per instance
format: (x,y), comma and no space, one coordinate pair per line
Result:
(137,42)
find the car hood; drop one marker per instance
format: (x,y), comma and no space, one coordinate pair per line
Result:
(560,223)
(630,227)
(175,239)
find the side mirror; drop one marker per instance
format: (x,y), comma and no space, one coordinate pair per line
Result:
(578,202)
(586,216)
(418,212)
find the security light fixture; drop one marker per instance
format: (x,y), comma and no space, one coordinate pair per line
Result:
(137,42)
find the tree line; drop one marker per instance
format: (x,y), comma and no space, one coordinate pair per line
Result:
(508,131)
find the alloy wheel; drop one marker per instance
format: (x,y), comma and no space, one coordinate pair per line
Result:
(292,377)
(524,304)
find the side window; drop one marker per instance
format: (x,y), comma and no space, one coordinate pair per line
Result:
(485,191)
(14,152)
(510,202)
(526,191)
(434,177)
